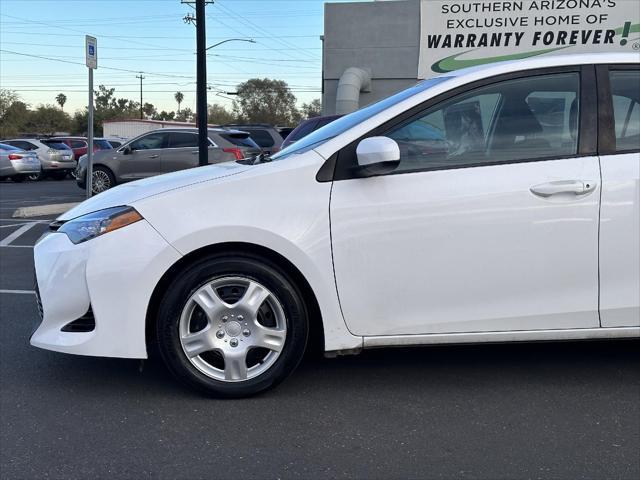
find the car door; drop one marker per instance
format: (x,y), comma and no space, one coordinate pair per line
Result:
(144,158)
(620,210)
(489,223)
(181,152)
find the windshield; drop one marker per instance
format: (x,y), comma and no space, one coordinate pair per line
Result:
(347,122)
(55,145)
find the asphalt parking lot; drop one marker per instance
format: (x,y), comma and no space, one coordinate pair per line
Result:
(552,411)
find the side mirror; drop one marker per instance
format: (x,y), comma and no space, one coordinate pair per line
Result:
(126,150)
(377,155)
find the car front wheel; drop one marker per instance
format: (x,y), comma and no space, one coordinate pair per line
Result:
(101,179)
(232,325)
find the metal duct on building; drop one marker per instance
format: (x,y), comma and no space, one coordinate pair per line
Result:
(353,81)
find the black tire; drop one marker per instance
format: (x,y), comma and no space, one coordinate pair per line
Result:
(219,266)
(109,177)
(18,178)
(36,177)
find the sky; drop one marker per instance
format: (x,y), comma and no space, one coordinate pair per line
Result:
(42,48)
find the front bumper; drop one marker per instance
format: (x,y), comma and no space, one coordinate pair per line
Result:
(114,275)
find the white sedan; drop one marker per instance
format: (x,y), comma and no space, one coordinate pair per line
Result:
(495,204)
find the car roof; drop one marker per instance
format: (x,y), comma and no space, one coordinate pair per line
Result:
(532,63)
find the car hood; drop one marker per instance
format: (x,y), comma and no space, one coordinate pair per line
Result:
(129,193)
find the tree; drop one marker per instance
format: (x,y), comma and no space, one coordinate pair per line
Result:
(7,98)
(61,98)
(311,109)
(148,109)
(219,115)
(164,115)
(266,100)
(179,97)
(185,115)
(14,118)
(48,120)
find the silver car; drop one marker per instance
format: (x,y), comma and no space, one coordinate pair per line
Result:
(17,164)
(56,158)
(162,151)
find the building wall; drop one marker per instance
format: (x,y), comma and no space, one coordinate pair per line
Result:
(389,51)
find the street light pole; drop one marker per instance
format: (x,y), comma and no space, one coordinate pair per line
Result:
(201,74)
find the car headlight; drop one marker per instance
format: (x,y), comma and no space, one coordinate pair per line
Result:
(98,223)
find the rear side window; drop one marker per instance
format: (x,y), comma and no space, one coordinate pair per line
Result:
(240,139)
(625,90)
(262,138)
(23,145)
(183,140)
(8,148)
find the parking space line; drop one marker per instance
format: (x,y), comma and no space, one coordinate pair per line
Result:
(11,237)
(17,246)
(22,292)
(12,225)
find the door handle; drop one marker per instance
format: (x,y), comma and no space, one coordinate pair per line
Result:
(154,156)
(194,152)
(577,187)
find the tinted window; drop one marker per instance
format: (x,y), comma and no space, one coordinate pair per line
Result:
(8,148)
(302,130)
(625,87)
(56,145)
(78,144)
(148,142)
(240,139)
(22,144)
(528,118)
(102,145)
(262,138)
(183,139)
(114,144)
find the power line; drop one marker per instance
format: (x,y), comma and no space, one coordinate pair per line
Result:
(102,67)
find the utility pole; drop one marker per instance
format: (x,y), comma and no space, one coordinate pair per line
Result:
(201,77)
(141,78)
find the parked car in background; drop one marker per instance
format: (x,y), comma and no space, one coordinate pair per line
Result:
(285,131)
(162,151)
(115,142)
(306,127)
(56,158)
(17,164)
(265,135)
(79,145)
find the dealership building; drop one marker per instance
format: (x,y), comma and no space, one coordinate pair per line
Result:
(374,49)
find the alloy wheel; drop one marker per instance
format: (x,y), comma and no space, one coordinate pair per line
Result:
(232,329)
(100,181)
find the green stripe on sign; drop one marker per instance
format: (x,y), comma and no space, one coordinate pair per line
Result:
(451,63)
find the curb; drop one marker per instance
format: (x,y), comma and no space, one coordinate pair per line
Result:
(42,210)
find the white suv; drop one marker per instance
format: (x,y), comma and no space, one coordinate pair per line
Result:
(495,204)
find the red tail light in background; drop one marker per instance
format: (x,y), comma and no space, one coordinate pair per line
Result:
(236,151)
(13,156)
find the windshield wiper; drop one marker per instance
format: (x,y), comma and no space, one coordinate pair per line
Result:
(261,158)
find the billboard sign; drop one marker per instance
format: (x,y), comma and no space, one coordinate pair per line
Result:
(463,33)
